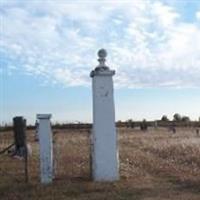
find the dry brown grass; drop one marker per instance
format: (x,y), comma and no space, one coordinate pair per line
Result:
(153,165)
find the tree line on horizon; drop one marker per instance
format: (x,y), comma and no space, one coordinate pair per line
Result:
(164,121)
(176,118)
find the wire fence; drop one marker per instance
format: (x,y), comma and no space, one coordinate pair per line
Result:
(71,150)
(141,154)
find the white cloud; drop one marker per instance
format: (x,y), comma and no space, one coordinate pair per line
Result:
(198,15)
(148,43)
(166,14)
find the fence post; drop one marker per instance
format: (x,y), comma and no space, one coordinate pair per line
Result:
(19,126)
(46,148)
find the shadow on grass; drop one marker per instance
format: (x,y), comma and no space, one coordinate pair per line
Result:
(186,185)
(76,189)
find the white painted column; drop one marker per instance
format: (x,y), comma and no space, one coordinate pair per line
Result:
(104,139)
(46,148)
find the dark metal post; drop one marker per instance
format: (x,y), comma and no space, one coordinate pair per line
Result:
(19,126)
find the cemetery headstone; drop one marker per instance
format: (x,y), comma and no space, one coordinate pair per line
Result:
(197,132)
(144,125)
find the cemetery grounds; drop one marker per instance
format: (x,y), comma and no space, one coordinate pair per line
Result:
(156,164)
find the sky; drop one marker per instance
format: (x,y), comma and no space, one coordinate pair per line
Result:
(49,47)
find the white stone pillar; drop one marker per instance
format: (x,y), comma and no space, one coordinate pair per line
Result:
(104,139)
(46,148)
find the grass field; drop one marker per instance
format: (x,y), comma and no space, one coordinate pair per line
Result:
(153,165)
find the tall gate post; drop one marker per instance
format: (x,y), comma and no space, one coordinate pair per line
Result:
(46,148)
(104,138)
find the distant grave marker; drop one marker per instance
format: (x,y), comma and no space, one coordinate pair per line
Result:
(144,125)
(197,132)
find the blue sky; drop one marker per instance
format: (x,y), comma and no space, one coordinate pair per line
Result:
(48,48)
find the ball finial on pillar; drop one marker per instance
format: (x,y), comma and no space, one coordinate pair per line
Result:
(102,53)
(102,68)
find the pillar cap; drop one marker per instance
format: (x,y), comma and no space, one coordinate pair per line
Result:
(102,69)
(100,72)
(44,116)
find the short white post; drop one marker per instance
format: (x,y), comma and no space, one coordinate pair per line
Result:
(105,164)
(46,150)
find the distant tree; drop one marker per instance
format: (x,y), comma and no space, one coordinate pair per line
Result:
(177,117)
(130,123)
(164,118)
(185,119)
(119,123)
(129,120)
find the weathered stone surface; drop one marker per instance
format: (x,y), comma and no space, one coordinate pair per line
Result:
(46,148)
(104,138)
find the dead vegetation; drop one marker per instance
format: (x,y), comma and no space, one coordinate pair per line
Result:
(153,165)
